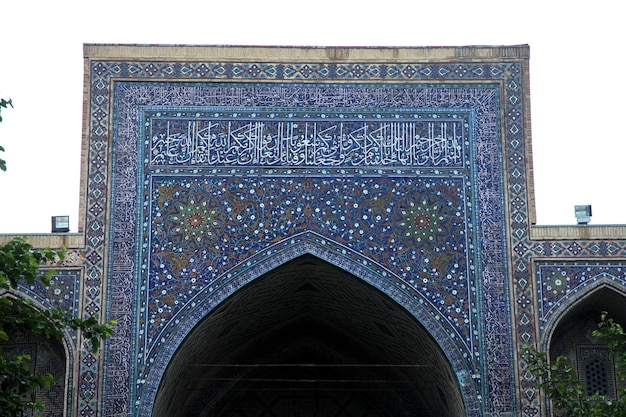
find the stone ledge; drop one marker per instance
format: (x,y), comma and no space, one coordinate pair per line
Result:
(309,54)
(49,240)
(577,232)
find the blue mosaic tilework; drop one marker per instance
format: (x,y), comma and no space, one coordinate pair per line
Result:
(203,228)
(46,357)
(560,284)
(474,88)
(498,166)
(310,243)
(62,292)
(306,139)
(360,212)
(557,283)
(120,300)
(440,128)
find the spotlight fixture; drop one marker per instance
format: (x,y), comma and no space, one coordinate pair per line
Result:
(60,224)
(583,214)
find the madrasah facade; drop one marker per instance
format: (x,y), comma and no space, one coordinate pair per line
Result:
(295,231)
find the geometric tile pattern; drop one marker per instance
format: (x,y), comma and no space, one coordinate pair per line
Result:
(427,159)
(196,222)
(411,215)
(561,279)
(561,283)
(47,357)
(399,182)
(295,292)
(62,292)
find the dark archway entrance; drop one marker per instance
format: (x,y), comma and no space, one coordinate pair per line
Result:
(589,356)
(309,339)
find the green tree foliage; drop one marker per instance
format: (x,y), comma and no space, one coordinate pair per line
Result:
(561,384)
(3,105)
(20,264)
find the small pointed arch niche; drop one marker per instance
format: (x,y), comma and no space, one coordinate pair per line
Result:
(309,339)
(572,336)
(48,356)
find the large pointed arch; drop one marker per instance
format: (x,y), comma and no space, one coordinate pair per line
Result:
(320,253)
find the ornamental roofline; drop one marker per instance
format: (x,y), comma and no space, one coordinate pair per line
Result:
(308,53)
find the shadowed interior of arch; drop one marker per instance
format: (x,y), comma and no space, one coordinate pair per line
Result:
(47,356)
(589,356)
(309,339)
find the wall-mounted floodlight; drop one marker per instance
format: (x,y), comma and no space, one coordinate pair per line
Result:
(583,214)
(60,224)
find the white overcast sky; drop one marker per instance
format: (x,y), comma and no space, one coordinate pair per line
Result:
(578,93)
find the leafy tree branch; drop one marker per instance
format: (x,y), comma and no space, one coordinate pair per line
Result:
(3,105)
(560,381)
(21,264)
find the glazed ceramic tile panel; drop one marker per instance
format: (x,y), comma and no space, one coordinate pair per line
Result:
(212,184)
(411,174)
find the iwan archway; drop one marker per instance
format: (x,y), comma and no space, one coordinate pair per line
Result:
(216,174)
(309,339)
(293,230)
